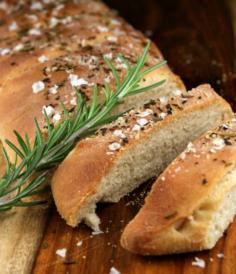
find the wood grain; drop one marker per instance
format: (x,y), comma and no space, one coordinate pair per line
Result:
(197,38)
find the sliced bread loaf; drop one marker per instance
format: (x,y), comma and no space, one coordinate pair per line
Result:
(137,146)
(192,202)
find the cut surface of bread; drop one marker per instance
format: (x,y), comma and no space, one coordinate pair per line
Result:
(70,42)
(192,202)
(136,147)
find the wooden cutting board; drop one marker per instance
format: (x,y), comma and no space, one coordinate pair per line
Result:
(197,38)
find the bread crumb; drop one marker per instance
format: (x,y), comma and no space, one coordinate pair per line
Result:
(220,255)
(61,252)
(113,270)
(79,243)
(199,262)
(95,233)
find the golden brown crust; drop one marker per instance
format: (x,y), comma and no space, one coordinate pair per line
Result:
(74,38)
(177,194)
(92,158)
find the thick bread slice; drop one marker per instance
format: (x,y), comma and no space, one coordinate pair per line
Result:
(138,146)
(50,43)
(192,202)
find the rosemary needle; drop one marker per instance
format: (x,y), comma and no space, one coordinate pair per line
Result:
(36,161)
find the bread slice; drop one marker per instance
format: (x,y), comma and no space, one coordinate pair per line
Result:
(72,40)
(192,202)
(137,146)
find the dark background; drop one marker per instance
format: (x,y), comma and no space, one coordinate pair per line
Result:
(195,36)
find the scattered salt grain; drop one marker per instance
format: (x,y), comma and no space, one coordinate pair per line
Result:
(142,122)
(42,59)
(199,262)
(220,255)
(113,270)
(38,86)
(114,146)
(61,252)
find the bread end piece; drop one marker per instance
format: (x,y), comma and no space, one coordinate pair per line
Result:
(192,202)
(92,173)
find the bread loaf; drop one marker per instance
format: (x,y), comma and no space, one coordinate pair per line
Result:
(137,146)
(192,202)
(46,49)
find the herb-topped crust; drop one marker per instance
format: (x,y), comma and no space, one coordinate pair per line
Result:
(48,49)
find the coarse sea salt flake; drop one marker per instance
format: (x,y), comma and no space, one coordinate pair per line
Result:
(164,100)
(102,29)
(145,113)
(112,39)
(42,59)
(57,117)
(114,146)
(18,47)
(142,122)
(108,55)
(38,87)
(5,51)
(119,133)
(218,143)
(61,252)
(176,92)
(34,32)
(54,89)
(162,115)
(76,81)
(136,128)
(36,6)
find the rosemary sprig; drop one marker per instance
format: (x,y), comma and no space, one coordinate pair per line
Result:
(28,177)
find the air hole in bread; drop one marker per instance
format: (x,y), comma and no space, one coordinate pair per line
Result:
(181,224)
